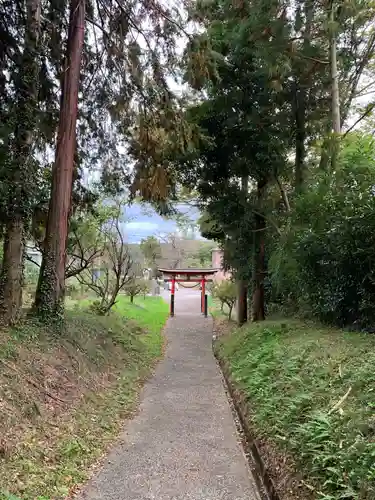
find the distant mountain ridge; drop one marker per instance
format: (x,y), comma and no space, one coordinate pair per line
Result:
(145,221)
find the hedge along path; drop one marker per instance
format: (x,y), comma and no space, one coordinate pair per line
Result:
(182,445)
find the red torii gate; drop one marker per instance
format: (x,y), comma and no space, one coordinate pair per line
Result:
(192,276)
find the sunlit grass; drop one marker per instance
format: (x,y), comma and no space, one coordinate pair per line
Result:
(292,375)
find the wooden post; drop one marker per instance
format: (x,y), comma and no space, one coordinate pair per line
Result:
(172,294)
(203,293)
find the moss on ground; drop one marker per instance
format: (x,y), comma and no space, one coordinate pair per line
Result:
(65,391)
(311,394)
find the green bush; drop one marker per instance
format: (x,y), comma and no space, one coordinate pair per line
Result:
(325,261)
(225,292)
(96,307)
(136,286)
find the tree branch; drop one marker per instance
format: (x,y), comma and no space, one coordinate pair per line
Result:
(366,113)
(28,258)
(283,195)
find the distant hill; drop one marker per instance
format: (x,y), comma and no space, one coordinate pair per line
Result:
(144,221)
(179,253)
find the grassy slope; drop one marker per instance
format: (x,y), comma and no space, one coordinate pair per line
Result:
(64,394)
(292,375)
(149,313)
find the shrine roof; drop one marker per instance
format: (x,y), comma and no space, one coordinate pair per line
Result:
(190,271)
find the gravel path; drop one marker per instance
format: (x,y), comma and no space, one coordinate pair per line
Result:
(182,444)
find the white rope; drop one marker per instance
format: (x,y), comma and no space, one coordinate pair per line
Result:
(184,286)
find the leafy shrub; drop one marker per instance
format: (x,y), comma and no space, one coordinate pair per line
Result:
(225,292)
(96,307)
(325,262)
(136,287)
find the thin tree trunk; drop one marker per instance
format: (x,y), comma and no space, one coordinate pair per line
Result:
(241,302)
(300,103)
(284,195)
(50,293)
(230,313)
(300,120)
(259,257)
(22,173)
(336,122)
(242,284)
(324,155)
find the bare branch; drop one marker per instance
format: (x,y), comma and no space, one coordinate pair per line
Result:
(115,270)
(81,258)
(28,258)
(170,20)
(366,113)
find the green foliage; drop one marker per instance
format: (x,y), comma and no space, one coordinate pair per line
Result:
(204,255)
(136,286)
(225,291)
(293,376)
(324,262)
(97,307)
(151,250)
(271,98)
(72,288)
(135,43)
(31,272)
(231,173)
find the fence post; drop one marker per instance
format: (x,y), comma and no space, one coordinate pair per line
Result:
(173,287)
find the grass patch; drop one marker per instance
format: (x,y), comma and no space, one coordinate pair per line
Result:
(147,313)
(292,376)
(65,392)
(150,313)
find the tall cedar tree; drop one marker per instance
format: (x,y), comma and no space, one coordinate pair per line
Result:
(243,119)
(135,47)
(21,174)
(51,286)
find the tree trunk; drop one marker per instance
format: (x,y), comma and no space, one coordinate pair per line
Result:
(241,302)
(324,155)
(300,101)
(12,271)
(300,121)
(241,284)
(50,293)
(131,299)
(22,172)
(336,122)
(259,257)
